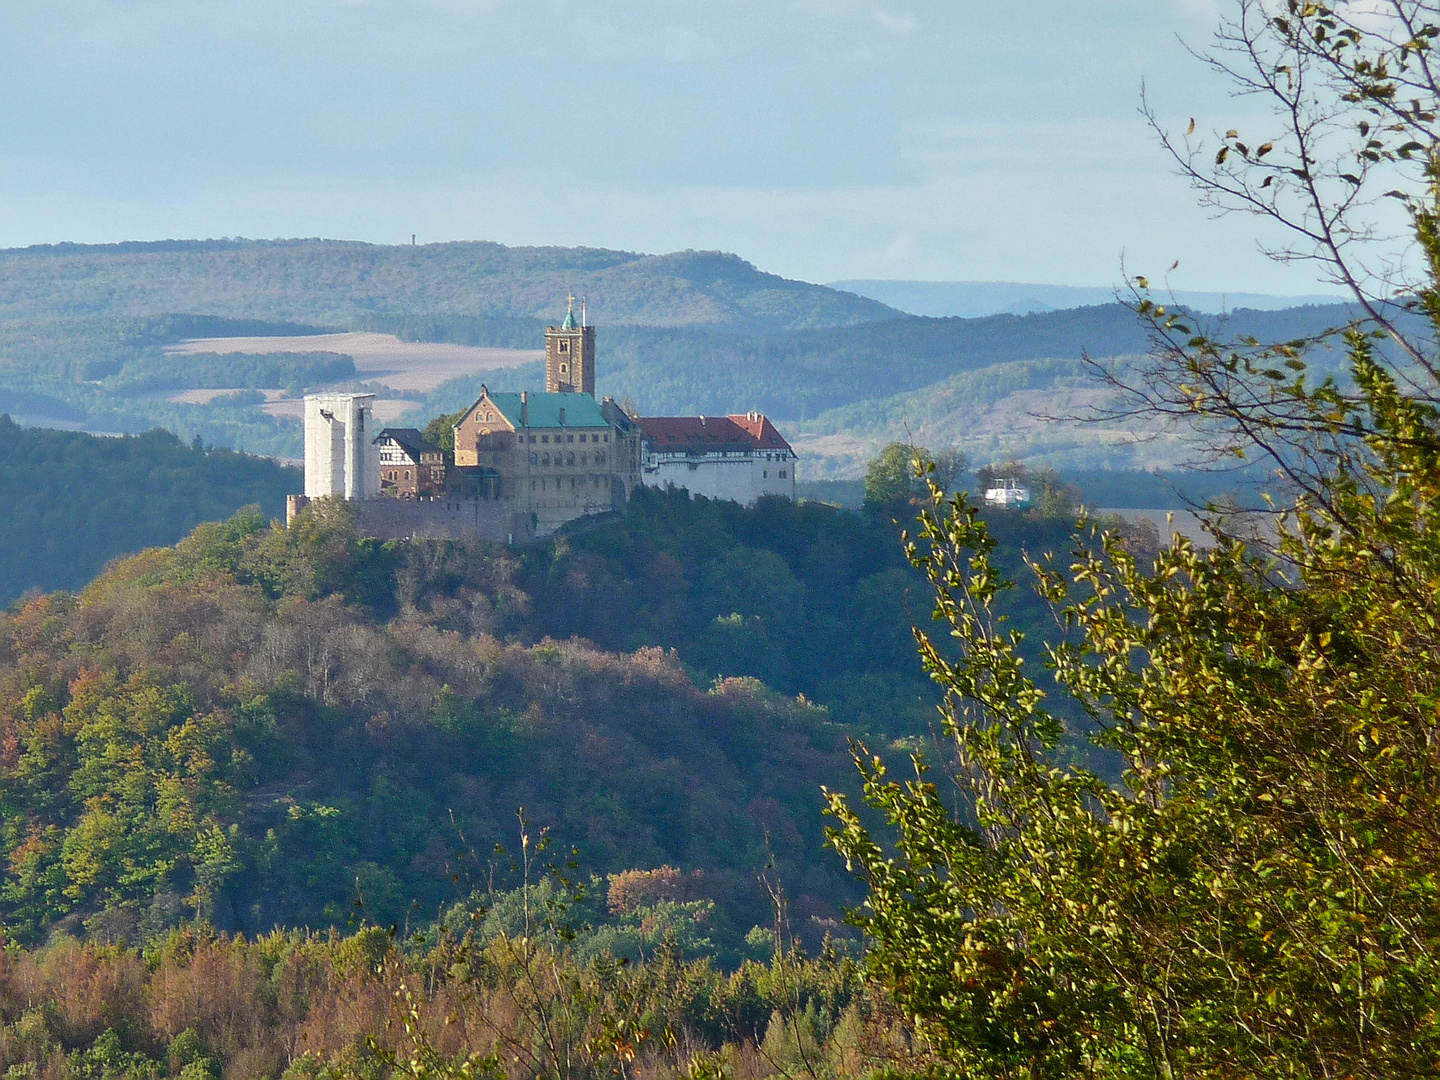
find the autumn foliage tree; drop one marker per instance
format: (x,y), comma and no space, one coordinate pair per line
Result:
(1260,895)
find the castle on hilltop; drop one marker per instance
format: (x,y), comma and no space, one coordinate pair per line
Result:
(526,463)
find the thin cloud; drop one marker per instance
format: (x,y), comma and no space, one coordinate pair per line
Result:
(901,25)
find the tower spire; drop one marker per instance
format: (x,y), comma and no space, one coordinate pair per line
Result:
(570,323)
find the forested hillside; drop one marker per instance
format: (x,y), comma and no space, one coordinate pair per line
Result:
(262,726)
(71,502)
(800,374)
(672,687)
(334,282)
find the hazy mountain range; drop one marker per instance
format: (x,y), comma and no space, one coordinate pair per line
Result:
(975,299)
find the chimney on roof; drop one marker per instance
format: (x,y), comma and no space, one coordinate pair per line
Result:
(524,408)
(562,416)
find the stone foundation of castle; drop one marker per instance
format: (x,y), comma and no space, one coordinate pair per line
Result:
(498,520)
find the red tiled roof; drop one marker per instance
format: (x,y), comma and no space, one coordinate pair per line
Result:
(760,428)
(701,433)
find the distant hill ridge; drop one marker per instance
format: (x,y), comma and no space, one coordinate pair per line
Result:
(328,282)
(977,299)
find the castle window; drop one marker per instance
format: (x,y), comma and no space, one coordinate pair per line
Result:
(545,459)
(564,368)
(582,459)
(569,438)
(564,346)
(782,474)
(599,459)
(764,474)
(544,438)
(607,438)
(582,438)
(534,458)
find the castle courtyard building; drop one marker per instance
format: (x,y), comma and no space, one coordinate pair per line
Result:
(740,457)
(410,467)
(555,452)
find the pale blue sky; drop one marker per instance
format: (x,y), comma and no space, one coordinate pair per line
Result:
(820,139)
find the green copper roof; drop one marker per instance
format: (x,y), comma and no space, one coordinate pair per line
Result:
(570,323)
(580,410)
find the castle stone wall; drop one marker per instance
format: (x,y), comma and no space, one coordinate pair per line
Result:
(502,521)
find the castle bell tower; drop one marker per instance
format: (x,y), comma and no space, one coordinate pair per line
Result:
(570,355)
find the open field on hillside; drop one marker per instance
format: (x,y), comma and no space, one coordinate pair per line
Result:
(383,358)
(387,410)
(1028,410)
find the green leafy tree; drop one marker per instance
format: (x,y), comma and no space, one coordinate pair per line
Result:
(890,478)
(1260,893)
(441,432)
(1052,497)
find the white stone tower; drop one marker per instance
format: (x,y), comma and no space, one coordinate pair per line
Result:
(341,457)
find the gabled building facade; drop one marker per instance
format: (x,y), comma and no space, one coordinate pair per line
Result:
(740,457)
(410,467)
(554,452)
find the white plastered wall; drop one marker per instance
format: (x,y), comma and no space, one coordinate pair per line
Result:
(742,479)
(341,457)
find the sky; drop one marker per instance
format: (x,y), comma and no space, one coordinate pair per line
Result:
(819,139)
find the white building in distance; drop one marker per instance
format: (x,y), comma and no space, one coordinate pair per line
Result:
(738,457)
(341,457)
